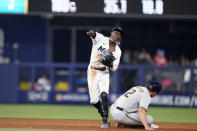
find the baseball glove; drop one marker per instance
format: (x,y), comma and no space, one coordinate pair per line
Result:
(107,59)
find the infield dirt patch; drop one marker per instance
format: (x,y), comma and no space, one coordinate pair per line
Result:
(84,125)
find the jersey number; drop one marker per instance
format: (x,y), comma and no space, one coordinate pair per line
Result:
(129,93)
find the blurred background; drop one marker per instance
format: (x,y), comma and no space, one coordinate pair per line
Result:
(44,49)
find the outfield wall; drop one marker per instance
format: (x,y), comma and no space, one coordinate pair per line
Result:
(68,83)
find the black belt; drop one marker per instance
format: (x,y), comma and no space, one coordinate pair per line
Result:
(119,108)
(99,68)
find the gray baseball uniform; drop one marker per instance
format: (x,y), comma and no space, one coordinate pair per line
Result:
(125,108)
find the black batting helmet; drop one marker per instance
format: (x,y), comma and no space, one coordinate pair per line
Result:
(155,86)
(119,29)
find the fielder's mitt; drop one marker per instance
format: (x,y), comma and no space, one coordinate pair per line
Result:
(107,59)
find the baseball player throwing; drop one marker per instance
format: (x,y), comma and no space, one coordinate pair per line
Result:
(105,57)
(131,107)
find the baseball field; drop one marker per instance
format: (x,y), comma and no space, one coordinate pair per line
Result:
(43,117)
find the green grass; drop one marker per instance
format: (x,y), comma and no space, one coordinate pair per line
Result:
(167,114)
(48,111)
(160,114)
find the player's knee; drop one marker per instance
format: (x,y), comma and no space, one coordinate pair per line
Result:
(150,119)
(104,96)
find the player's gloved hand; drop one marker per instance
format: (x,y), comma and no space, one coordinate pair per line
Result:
(107,59)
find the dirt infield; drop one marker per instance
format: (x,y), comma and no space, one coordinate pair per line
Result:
(83,125)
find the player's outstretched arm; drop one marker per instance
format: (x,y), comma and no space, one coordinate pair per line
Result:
(91,33)
(142,114)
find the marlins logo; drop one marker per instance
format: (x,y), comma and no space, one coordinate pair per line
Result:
(101,49)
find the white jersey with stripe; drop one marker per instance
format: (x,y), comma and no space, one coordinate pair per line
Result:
(100,44)
(134,98)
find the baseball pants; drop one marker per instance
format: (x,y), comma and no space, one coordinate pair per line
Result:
(98,81)
(127,118)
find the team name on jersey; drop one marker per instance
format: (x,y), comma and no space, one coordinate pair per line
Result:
(101,49)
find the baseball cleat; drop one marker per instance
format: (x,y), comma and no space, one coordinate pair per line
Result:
(154,126)
(106,125)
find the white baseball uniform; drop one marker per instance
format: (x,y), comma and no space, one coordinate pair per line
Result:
(98,81)
(125,108)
